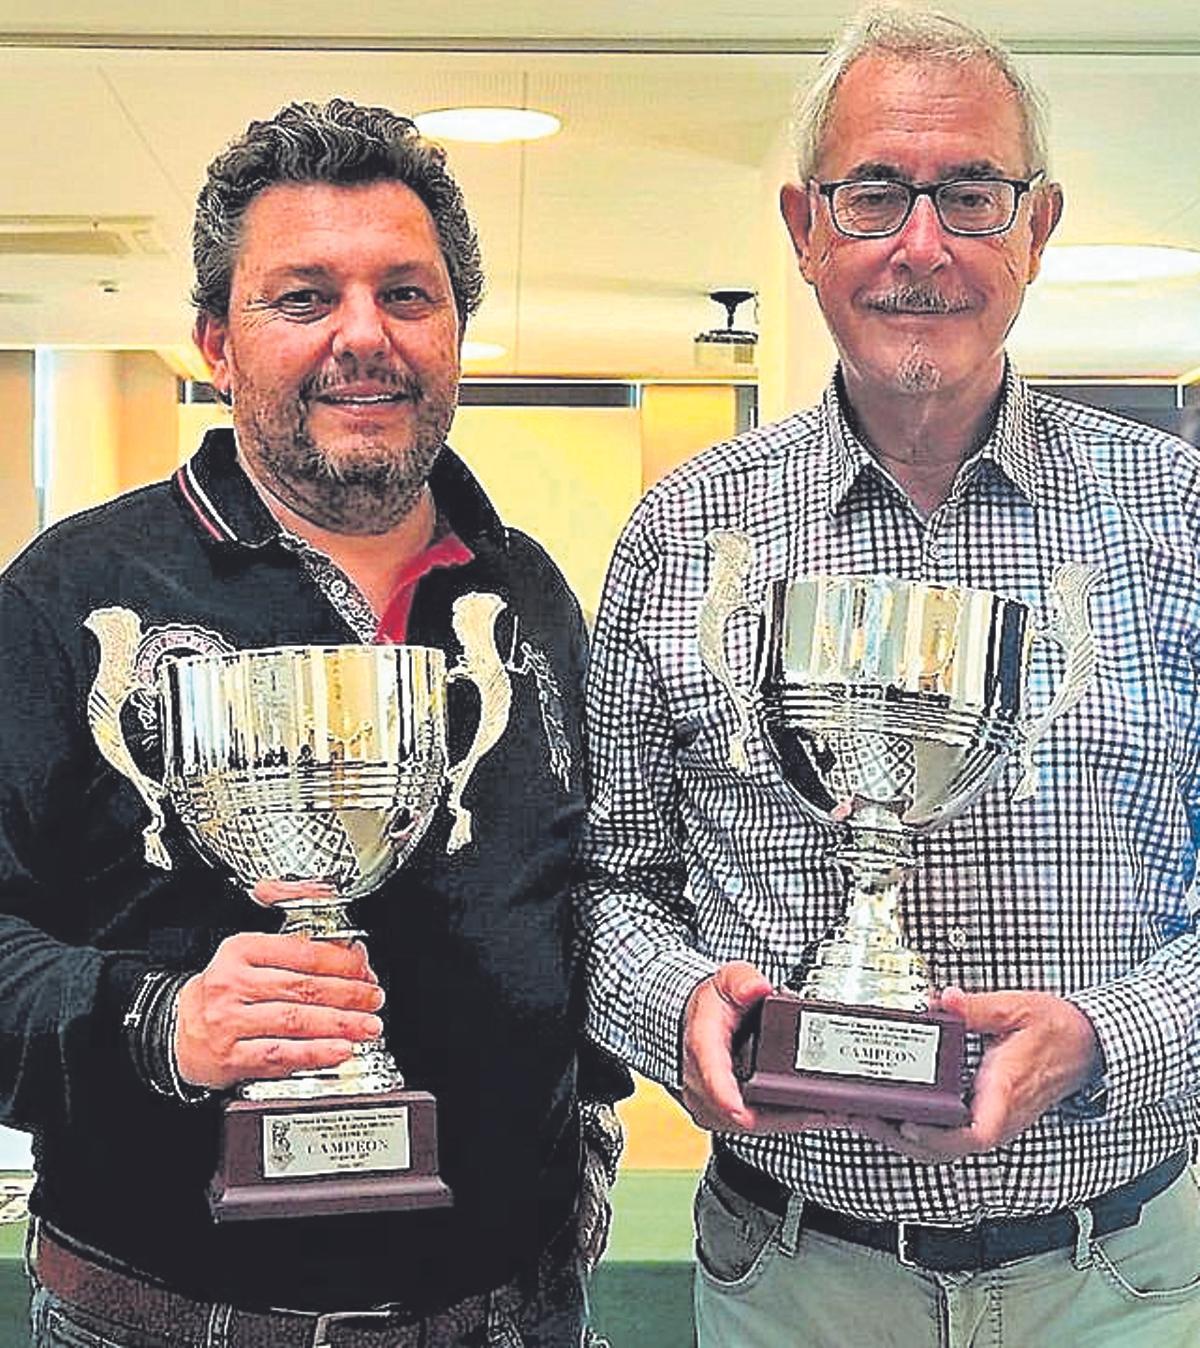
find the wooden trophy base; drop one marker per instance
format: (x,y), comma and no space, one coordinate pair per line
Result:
(325,1157)
(864,1060)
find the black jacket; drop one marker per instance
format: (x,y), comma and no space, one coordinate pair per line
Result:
(472,948)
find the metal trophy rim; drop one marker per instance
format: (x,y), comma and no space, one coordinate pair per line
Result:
(308,648)
(884,578)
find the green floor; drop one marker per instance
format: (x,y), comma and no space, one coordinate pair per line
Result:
(14,1299)
(641,1294)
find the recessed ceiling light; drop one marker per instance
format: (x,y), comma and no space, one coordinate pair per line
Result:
(490,126)
(482,350)
(1117,263)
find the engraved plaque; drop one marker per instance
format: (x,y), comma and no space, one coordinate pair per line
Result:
(335,1142)
(847,1045)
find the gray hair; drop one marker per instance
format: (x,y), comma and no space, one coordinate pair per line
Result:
(911,34)
(344,144)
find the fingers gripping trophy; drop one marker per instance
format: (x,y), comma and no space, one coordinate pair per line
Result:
(308,774)
(889,705)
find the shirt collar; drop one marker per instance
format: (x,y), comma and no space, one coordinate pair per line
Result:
(1013,448)
(228,512)
(220,498)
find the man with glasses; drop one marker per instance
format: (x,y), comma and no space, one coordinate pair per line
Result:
(868,208)
(1059,927)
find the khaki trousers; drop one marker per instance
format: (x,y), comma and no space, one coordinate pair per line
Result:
(764,1282)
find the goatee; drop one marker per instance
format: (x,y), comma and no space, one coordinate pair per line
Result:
(369,487)
(916,373)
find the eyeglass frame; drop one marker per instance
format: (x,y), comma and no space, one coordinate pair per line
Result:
(915,191)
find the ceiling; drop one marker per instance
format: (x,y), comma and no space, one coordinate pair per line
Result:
(602,243)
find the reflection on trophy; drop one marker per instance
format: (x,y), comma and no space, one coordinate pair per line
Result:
(889,706)
(309,774)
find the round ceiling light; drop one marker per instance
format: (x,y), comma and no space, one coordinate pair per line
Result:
(1117,263)
(488,126)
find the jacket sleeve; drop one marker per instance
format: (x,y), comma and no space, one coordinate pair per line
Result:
(61,997)
(636,916)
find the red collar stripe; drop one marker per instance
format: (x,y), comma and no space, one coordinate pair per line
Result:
(202,507)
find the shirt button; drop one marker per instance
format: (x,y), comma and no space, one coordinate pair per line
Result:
(957,938)
(337,588)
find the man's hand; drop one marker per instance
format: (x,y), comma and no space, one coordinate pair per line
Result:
(1041,1048)
(268,1005)
(711,1094)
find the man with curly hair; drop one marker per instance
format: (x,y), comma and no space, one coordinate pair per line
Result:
(336,269)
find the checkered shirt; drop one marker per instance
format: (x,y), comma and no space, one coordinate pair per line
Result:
(1082,891)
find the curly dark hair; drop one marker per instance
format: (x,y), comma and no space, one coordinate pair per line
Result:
(338,142)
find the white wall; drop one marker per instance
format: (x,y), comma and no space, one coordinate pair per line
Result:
(567,475)
(83,407)
(14,1150)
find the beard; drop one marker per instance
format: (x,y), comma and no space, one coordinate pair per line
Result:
(916,373)
(366,487)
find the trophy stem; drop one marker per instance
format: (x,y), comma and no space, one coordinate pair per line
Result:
(864,961)
(371,1069)
(320,919)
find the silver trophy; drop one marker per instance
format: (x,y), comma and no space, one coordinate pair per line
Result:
(308,774)
(889,706)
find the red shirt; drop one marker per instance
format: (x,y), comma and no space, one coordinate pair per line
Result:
(447,550)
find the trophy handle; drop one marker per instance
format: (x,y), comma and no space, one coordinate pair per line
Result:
(119,632)
(473,618)
(733,555)
(1072,629)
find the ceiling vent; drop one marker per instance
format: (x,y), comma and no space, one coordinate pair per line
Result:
(79,236)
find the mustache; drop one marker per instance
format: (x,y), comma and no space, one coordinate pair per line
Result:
(394,381)
(917,300)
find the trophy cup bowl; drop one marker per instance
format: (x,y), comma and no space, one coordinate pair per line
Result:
(308,774)
(889,705)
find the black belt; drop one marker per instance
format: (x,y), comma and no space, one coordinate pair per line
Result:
(956,1249)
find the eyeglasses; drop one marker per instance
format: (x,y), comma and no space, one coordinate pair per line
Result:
(872,209)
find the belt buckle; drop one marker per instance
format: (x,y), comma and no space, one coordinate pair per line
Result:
(905,1233)
(902,1254)
(320,1338)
